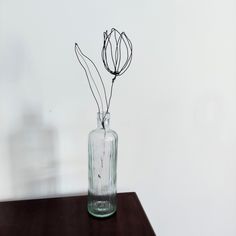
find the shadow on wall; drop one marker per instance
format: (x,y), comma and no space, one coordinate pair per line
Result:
(33,162)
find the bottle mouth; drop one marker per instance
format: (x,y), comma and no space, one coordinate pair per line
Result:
(103,119)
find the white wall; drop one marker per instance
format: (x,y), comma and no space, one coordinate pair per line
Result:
(174,109)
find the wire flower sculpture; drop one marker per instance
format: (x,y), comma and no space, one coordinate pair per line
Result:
(117,52)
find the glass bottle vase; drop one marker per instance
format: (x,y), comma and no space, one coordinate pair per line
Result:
(102,165)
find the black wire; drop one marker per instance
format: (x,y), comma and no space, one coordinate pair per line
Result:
(86,73)
(116,53)
(109,103)
(122,37)
(104,90)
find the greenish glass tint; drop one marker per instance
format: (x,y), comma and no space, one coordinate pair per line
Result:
(102,165)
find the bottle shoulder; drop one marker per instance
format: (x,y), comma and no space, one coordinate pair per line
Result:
(99,132)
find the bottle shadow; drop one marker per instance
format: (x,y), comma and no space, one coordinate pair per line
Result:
(33,159)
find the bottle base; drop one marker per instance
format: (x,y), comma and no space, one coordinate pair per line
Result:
(101,209)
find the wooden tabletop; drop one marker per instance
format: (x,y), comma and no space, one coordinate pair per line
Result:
(68,216)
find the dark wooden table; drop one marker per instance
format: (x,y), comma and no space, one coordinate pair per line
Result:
(68,216)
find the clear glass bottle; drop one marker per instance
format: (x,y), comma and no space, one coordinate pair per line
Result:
(102,162)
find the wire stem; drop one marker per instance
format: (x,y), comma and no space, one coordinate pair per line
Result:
(109,102)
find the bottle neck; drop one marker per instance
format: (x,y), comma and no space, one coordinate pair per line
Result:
(103,121)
